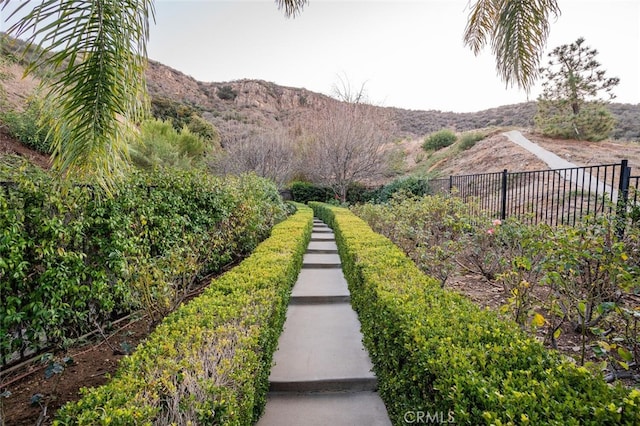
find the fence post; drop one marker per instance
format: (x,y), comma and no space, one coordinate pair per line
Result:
(450,183)
(503,207)
(623,198)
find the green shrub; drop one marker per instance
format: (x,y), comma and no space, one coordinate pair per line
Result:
(358,193)
(201,127)
(71,258)
(593,123)
(226,93)
(428,229)
(27,126)
(413,185)
(469,140)
(438,140)
(303,192)
(159,144)
(208,363)
(436,352)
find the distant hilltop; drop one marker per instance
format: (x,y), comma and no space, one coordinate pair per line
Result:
(242,106)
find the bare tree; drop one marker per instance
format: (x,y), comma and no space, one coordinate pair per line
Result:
(268,153)
(346,143)
(344,91)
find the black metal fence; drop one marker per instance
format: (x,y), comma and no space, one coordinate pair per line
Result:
(555,197)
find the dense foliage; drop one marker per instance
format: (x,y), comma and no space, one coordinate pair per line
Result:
(208,363)
(72,259)
(303,192)
(26,126)
(412,185)
(438,140)
(583,275)
(575,93)
(183,115)
(436,352)
(160,144)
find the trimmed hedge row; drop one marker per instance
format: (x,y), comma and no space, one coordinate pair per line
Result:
(208,362)
(436,353)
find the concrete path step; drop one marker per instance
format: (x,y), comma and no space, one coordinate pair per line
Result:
(322,245)
(321,261)
(320,344)
(325,409)
(316,286)
(322,236)
(322,282)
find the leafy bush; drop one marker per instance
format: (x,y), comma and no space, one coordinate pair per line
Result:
(358,193)
(413,185)
(27,126)
(227,93)
(435,351)
(71,258)
(183,115)
(428,229)
(159,144)
(208,362)
(468,140)
(588,269)
(594,122)
(201,127)
(438,140)
(303,192)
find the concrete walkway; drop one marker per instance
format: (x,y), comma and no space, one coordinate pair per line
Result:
(322,373)
(578,176)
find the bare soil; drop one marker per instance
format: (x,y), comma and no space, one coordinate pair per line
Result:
(91,363)
(583,153)
(8,145)
(496,153)
(490,295)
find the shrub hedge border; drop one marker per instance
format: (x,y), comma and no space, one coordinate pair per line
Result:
(435,352)
(209,361)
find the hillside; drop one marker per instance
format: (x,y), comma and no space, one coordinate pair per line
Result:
(243,107)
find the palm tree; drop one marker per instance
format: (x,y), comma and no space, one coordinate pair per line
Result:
(94,56)
(96,53)
(517,31)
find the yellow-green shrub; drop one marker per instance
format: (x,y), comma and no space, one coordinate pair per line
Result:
(436,352)
(208,362)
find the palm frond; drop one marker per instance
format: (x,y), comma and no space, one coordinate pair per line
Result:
(291,7)
(96,51)
(517,31)
(481,24)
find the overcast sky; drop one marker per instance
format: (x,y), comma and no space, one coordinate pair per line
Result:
(409,54)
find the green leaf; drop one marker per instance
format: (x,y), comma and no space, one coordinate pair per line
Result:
(625,354)
(538,320)
(624,365)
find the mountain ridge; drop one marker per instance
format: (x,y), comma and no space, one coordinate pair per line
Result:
(259,102)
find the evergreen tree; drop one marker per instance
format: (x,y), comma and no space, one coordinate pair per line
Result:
(575,94)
